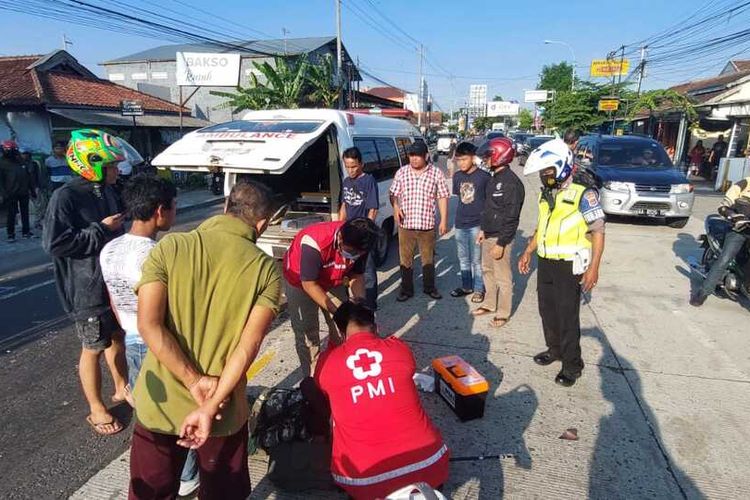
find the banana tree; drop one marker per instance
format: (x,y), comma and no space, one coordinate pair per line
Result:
(321,79)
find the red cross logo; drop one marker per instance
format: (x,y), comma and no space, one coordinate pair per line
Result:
(365,363)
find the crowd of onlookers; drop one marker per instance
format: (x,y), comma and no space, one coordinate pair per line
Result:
(180,321)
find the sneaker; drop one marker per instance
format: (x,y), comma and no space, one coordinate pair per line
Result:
(28,235)
(188,487)
(12,239)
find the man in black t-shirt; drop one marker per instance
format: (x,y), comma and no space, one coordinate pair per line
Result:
(360,198)
(718,151)
(469,184)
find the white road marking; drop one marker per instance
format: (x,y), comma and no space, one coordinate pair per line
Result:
(27,289)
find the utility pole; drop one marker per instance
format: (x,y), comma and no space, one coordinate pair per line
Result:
(339,80)
(420,97)
(619,82)
(641,69)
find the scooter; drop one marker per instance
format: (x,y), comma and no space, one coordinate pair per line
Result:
(736,279)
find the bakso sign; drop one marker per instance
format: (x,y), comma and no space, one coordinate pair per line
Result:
(200,69)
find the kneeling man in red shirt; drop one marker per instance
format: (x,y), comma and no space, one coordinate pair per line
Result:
(382,438)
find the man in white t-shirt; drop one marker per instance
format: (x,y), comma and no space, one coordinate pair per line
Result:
(151,202)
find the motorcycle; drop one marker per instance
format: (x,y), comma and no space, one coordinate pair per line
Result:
(736,279)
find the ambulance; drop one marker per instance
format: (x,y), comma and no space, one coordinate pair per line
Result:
(297,153)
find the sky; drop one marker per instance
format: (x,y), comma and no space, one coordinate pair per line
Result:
(498,43)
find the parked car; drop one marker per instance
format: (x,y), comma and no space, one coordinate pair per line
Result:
(519,139)
(530,145)
(297,153)
(636,177)
(446,142)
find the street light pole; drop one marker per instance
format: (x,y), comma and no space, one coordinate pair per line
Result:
(573,72)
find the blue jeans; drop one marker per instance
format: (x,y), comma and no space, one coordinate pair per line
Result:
(469,259)
(134,354)
(371,283)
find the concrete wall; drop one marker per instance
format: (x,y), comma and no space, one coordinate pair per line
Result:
(158,78)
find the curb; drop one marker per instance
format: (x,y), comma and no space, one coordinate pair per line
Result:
(202,204)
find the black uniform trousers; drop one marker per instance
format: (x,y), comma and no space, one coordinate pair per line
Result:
(18,204)
(559,295)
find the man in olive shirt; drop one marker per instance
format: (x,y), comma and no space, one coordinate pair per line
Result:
(205,301)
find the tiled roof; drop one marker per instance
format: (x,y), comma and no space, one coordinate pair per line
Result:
(386,92)
(68,89)
(17,83)
(24,85)
(704,90)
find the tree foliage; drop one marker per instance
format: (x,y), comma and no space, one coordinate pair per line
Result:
(290,82)
(652,100)
(321,80)
(557,77)
(525,119)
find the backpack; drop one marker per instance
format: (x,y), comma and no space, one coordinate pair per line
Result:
(279,425)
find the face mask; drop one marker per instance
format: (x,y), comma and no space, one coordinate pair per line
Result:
(548,181)
(350,256)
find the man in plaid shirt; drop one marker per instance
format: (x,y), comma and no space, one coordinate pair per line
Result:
(413,193)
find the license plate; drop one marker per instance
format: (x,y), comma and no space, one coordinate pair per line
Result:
(650,212)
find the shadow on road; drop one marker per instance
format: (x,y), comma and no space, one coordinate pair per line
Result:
(500,433)
(629,455)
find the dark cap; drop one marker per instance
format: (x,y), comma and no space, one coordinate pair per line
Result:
(418,148)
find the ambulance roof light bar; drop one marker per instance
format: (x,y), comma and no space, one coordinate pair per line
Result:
(404,114)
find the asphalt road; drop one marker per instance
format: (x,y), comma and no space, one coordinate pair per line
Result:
(46,448)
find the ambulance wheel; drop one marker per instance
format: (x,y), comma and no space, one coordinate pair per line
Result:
(384,243)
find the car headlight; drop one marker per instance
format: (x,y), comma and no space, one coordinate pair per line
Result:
(624,187)
(681,188)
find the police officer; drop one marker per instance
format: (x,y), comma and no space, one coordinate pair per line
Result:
(569,241)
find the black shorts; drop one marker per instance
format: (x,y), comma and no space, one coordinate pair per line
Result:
(95,330)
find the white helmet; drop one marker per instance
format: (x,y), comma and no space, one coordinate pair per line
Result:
(553,153)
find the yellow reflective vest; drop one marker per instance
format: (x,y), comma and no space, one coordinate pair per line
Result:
(562,232)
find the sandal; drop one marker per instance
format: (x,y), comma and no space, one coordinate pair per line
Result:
(477,298)
(100,428)
(481,311)
(460,292)
(498,322)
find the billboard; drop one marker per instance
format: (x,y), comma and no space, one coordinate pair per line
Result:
(536,96)
(477,100)
(609,67)
(608,104)
(502,108)
(202,69)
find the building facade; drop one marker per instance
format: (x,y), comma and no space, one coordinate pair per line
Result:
(154,71)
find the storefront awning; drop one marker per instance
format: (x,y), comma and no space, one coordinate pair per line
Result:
(95,117)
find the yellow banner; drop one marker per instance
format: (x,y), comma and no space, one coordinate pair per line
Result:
(609,67)
(608,104)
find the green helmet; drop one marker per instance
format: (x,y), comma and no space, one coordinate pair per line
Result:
(90,150)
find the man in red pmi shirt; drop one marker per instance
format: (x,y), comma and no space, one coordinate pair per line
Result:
(321,260)
(382,438)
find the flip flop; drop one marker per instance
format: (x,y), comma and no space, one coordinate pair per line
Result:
(460,292)
(498,322)
(99,427)
(477,298)
(480,311)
